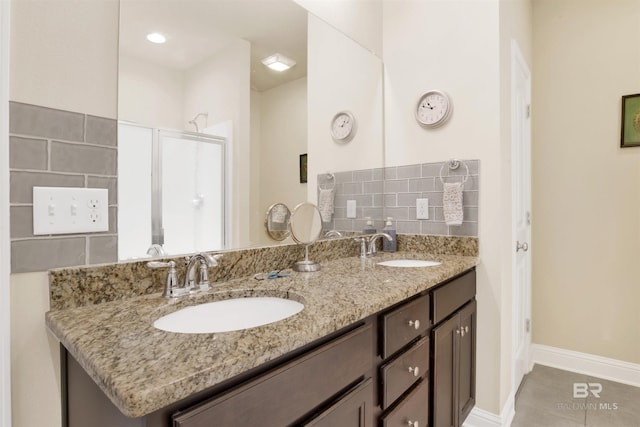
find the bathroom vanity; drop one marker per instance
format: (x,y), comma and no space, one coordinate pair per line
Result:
(378,346)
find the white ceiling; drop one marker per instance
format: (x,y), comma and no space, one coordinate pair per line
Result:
(196,29)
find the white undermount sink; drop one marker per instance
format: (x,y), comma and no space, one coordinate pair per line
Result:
(409,263)
(228,315)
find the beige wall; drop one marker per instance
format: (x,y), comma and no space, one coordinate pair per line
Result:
(45,47)
(586,190)
(360,20)
(35,357)
(64,54)
(467,68)
(283,137)
(342,76)
(150,95)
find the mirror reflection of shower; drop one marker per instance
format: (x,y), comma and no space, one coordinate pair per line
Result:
(194,121)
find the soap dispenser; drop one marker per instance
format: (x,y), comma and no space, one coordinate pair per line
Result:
(390,245)
(369,228)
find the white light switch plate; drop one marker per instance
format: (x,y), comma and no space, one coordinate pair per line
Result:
(351,208)
(422,208)
(64,210)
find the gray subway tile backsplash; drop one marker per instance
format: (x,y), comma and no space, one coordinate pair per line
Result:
(82,158)
(101,131)
(22,183)
(395,196)
(36,121)
(21,221)
(28,153)
(102,249)
(55,148)
(46,253)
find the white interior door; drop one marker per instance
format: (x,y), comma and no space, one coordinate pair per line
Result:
(521,214)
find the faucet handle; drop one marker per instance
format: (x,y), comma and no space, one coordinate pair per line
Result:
(363,245)
(203,281)
(211,260)
(172,276)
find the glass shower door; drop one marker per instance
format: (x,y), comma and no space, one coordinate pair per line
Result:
(192,191)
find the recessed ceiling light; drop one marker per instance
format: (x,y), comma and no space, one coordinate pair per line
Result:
(278,62)
(156,38)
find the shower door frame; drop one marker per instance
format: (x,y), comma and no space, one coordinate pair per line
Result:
(157,229)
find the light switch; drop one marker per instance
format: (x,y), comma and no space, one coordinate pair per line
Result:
(351,208)
(65,210)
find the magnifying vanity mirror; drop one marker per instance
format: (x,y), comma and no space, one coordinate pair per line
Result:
(306,228)
(276,222)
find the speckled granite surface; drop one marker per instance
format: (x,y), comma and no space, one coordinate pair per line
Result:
(143,369)
(79,286)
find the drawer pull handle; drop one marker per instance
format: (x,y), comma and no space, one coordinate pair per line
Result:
(414,323)
(413,423)
(464,330)
(415,371)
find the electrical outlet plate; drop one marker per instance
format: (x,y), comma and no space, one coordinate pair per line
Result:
(351,208)
(66,210)
(422,208)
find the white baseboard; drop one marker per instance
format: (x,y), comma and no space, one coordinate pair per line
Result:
(588,364)
(481,418)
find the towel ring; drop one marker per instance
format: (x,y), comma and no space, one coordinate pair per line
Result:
(453,165)
(331,178)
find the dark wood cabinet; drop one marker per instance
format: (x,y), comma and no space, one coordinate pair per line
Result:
(453,368)
(287,394)
(412,363)
(412,411)
(355,409)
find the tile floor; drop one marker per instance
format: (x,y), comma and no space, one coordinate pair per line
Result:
(545,399)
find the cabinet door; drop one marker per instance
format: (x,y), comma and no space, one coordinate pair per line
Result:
(444,381)
(287,394)
(355,409)
(467,361)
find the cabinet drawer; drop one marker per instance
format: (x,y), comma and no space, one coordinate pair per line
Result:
(402,372)
(355,409)
(285,395)
(453,295)
(414,408)
(404,324)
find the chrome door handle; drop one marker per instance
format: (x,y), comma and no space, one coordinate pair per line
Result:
(524,246)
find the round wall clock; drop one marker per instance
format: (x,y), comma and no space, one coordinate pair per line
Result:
(433,109)
(343,126)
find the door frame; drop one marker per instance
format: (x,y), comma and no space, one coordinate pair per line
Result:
(519,67)
(5,248)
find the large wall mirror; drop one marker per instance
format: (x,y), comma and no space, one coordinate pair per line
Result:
(209,137)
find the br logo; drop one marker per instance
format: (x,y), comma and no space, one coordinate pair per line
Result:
(582,390)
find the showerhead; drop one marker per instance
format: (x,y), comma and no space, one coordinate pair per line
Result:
(194,121)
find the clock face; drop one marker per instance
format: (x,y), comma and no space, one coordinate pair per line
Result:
(433,109)
(343,126)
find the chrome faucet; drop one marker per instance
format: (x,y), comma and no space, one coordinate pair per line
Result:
(172,289)
(205,261)
(368,244)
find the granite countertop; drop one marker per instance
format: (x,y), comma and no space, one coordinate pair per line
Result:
(142,369)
